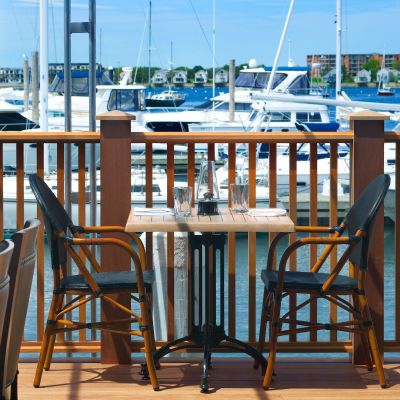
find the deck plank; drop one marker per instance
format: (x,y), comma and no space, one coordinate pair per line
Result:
(233,378)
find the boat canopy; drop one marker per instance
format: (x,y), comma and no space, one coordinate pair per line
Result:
(80,82)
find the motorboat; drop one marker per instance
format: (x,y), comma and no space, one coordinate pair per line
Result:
(13,119)
(167,98)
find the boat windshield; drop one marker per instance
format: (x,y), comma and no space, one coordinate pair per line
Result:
(126,100)
(258,80)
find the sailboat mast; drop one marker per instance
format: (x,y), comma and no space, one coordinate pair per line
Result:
(278,52)
(338,47)
(149,79)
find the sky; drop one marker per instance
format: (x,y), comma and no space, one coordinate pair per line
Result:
(244,29)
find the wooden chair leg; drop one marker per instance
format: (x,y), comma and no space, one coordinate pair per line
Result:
(42,357)
(151,327)
(49,354)
(48,333)
(273,341)
(263,327)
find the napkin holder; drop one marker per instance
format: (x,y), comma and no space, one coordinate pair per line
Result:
(208,205)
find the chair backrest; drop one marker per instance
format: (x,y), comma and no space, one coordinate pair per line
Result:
(55,218)
(21,274)
(361,216)
(6,249)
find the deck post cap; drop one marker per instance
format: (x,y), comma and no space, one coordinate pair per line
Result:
(367,115)
(115,116)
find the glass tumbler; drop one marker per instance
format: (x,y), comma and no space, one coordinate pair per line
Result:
(240,197)
(183,201)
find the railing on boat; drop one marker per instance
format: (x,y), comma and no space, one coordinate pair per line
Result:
(367,159)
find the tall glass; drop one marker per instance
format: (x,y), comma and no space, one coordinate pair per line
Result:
(240,197)
(183,201)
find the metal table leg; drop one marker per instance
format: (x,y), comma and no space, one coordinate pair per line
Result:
(205,332)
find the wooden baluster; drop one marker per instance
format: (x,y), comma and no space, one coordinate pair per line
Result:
(40,253)
(293,216)
(231,248)
(149,201)
(333,221)
(313,221)
(252,250)
(82,219)
(170,245)
(20,186)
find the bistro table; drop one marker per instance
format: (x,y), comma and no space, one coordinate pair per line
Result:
(206,243)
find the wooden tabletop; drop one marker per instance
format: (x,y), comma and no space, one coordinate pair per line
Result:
(225,221)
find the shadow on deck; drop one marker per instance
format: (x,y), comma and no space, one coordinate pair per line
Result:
(229,379)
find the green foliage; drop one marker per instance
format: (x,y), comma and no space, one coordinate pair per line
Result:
(346,78)
(372,65)
(396,65)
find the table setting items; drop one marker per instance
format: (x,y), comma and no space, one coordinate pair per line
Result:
(183,201)
(207,192)
(239,197)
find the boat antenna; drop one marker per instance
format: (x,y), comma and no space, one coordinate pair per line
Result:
(338,48)
(149,43)
(278,52)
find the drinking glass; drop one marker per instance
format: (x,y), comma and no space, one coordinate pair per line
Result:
(240,197)
(183,201)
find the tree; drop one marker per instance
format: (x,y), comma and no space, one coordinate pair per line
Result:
(372,65)
(346,77)
(396,65)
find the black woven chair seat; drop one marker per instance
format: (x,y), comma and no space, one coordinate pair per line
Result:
(307,281)
(108,281)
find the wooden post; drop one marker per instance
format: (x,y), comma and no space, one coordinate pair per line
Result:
(367,163)
(115,166)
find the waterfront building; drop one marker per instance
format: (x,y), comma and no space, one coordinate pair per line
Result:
(352,62)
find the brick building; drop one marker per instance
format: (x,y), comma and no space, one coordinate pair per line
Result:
(352,62)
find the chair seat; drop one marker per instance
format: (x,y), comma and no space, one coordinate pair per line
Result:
(307,281)
(108,280)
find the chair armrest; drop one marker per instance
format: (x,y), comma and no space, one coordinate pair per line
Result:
(118,229)
(304,242)
(318,229)
(117,242)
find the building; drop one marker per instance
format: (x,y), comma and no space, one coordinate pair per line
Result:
(11,75)
(352,62)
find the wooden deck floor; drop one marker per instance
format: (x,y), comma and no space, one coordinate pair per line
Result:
(229,379)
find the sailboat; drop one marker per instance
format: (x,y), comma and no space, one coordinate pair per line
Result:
(383,89)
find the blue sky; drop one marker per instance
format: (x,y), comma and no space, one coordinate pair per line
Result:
(244,29)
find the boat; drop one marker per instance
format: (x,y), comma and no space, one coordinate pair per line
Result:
(167,98)
(383,78)
(12,118)
(385,90)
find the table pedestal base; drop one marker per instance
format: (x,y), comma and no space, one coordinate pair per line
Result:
(206,334)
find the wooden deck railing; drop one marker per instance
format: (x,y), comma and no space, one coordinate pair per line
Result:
(366,149)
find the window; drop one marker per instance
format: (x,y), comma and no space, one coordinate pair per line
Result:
(126,100)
